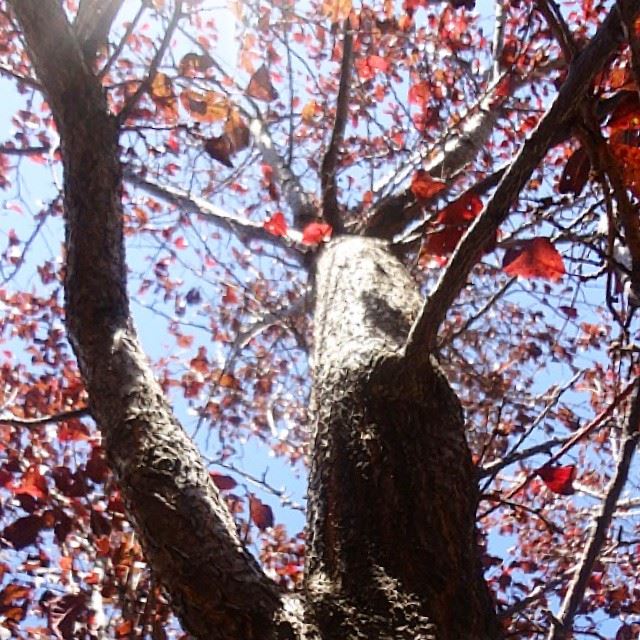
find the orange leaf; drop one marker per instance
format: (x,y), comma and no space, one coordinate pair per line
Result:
(260,86)
(315,233)
(193,63)
(237,131)
(558,479)
(336,10)
(276,224)
(205,107)
(535,258)
(423,186)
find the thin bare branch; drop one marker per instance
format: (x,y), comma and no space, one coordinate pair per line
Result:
(422,337)
(13,421)
(328,169)
(24,151)
(563,621)
(123,41)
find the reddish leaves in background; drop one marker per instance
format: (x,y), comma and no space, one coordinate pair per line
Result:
(276,224)
(315,233)
(558,479)
(260,86)
(576,173)
(534,258)
(423,186)
(261,514)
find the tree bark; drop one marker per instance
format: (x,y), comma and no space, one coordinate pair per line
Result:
(392,494)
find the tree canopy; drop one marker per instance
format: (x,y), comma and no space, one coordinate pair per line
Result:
(492,148)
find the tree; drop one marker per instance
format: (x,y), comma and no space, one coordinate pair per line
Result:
(485,150)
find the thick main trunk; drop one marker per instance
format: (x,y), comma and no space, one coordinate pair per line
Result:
(392,495)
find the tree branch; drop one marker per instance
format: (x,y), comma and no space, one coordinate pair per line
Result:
(563,622)
(330,208)
(216,586)
(243,228)
(583,68)
(300,203)
(13,421)
(93,23)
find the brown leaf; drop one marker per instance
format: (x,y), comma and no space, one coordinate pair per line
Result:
(193,63)
(261,513)
(260,86)
(237,131)
(575,173)
(220,149)
(24,531)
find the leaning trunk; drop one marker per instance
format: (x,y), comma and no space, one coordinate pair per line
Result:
(392,495)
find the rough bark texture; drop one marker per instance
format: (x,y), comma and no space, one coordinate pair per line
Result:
(392,495)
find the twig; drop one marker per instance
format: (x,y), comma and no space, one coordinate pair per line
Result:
(120,46)
(36,422)
(576,588)
(153,66)
(422,337)
(329,166)
(24,151)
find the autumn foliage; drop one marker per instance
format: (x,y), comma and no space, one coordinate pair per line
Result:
(221,111)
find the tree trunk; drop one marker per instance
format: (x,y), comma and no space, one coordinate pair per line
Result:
(392,494)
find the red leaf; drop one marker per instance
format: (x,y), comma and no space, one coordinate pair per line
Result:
(419,93)
(224,483)
(230,296)
(535,258)
(261,513)
(443,242)
(276,224)
(576,173)
(260,86)
(423,186)
(315,233)
(558,479)
(367,67)
(462,210)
